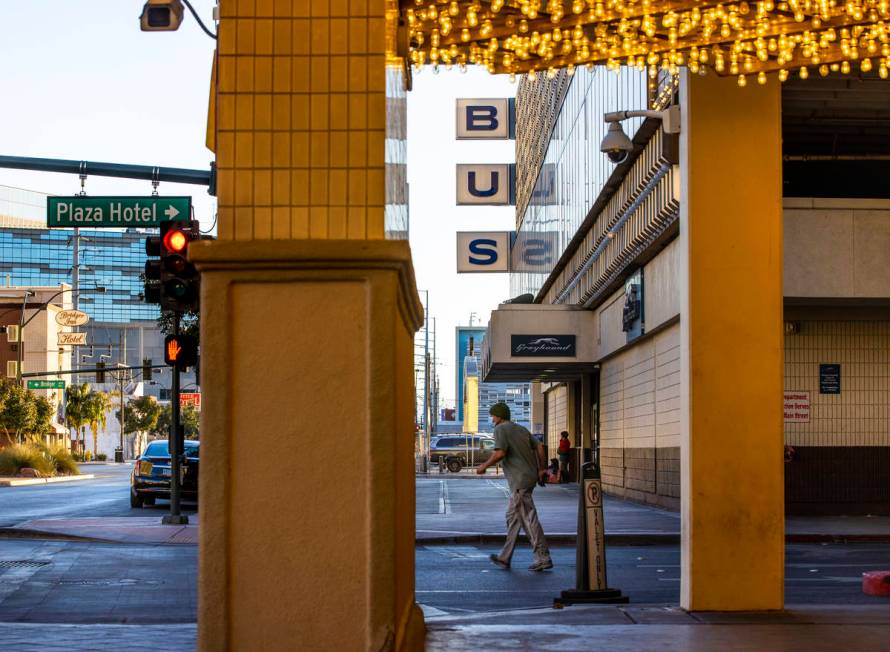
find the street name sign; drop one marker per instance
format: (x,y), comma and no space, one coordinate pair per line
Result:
(83,211)
(72,339)
(46,384)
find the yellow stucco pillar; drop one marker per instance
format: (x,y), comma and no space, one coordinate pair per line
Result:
(307,321)
(731,320)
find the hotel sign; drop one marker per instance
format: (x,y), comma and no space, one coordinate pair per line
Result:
(72,339)
(71,318)
(542,346)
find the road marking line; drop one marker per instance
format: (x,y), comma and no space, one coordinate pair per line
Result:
(444,502)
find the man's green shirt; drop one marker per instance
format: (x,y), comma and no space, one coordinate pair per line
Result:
(521,463)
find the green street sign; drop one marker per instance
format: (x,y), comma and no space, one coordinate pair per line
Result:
(46,384)
(82,211)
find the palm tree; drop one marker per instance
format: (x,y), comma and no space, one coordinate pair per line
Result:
(76,398)
(97,406)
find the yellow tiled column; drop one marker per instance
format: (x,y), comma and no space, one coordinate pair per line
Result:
(307,323)
(301,118)
(731,346)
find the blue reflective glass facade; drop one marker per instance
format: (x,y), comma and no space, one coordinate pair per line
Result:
(109,258)
(574,171)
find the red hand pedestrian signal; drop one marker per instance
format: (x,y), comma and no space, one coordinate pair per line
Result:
(173,350)
(181,351)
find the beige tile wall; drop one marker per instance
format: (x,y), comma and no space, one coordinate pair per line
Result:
(557,415)
(860,414)
(301,119)
(640,394)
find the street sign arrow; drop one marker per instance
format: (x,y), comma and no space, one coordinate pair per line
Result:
(171,213)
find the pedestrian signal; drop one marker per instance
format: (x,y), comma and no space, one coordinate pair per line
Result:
(181,351)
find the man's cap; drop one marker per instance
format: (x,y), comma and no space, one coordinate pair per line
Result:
(501,410)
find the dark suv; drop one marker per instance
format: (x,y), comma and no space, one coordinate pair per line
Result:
(458,451)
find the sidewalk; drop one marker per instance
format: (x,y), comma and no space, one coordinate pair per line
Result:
(470,509)
(667,629)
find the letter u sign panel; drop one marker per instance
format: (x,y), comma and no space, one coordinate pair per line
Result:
(483,251)
(485,119)
(484,185)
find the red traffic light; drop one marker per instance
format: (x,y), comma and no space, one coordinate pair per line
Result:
(176,241)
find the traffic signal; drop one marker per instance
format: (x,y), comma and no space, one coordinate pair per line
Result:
(152,292)
(172,280)
(180,288)
(146,370)
(100,373)
(181,351)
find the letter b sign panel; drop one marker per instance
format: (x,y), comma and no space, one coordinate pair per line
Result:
(483,251)
(484,119)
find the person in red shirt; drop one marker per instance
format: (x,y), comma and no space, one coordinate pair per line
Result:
(565,451)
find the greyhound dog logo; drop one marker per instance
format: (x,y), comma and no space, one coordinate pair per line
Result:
(553,345)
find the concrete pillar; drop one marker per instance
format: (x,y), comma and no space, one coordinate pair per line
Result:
(731,346)
(307,324)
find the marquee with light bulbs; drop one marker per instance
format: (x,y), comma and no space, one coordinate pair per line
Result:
(741,39)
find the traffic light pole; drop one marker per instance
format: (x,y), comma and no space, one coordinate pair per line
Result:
(176,445)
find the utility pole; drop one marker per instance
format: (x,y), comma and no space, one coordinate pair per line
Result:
(426,380)
(122,355)
(434,410)
(175,444)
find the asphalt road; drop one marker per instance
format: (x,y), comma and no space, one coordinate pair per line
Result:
(458,579)
(106,495)
(74,582)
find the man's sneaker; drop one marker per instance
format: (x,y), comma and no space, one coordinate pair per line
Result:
(500,563)
(539,566)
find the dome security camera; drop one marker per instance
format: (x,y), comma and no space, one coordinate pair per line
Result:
(616,145)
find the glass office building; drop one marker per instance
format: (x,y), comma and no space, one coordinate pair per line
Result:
(123,329)
(113,259)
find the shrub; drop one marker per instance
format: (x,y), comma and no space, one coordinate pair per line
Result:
(61,459)
(101,457)
(16,457)
(88,456)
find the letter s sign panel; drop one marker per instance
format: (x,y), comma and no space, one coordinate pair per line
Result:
(485,119)
(483,251)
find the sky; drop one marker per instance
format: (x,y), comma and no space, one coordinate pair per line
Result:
(433,154)
(79,80)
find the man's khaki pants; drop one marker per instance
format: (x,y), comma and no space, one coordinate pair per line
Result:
(522,513)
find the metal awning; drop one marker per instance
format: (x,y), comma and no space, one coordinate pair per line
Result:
(550,343)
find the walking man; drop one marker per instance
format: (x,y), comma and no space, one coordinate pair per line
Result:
(524,465)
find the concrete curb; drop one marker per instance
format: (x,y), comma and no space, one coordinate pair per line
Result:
(559,538)
(24,482)
(21,533)
(633,538)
